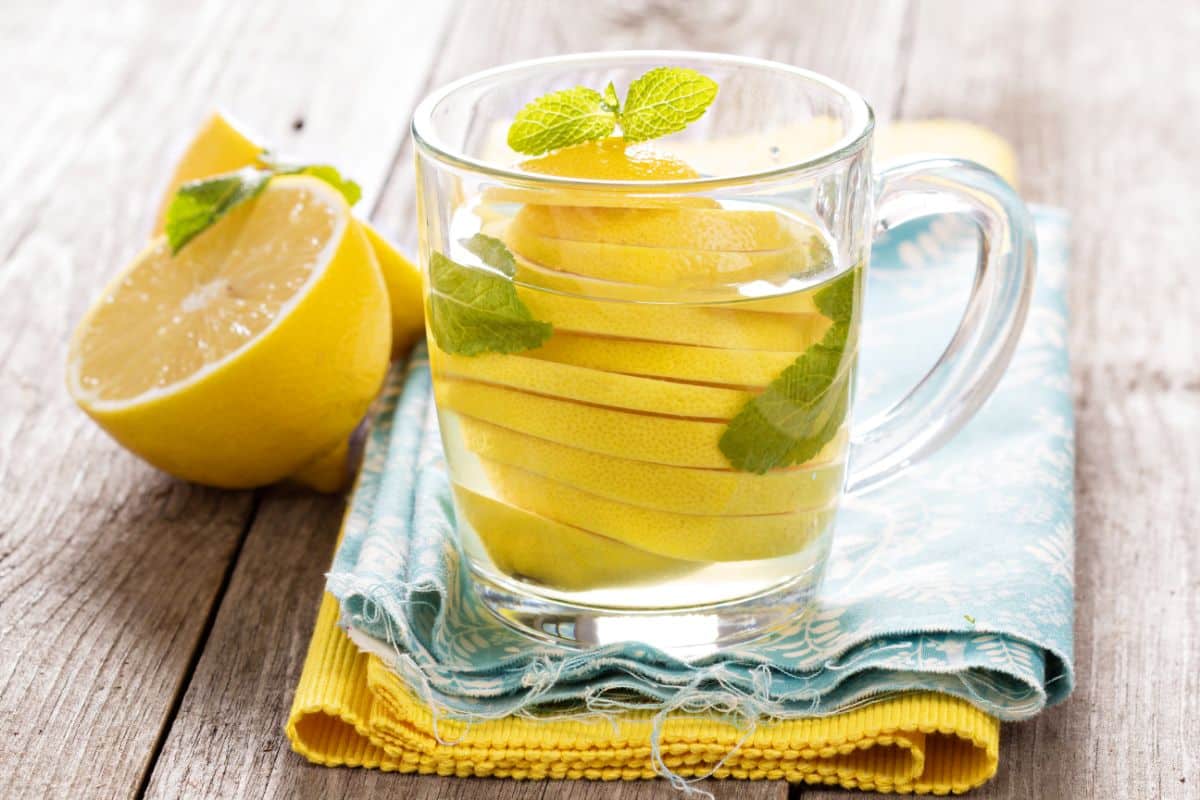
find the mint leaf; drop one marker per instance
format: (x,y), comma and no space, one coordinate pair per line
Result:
(198,204)
(609,101)
(473,310)
(664,101)
(492,251)
(561,119)
(801,410)
(349,189)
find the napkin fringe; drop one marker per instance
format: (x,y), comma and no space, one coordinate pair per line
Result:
(352,710)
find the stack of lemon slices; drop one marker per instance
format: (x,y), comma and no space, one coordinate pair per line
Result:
(252,354)
(600,448)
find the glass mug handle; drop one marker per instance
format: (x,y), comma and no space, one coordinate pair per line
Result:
(972,364)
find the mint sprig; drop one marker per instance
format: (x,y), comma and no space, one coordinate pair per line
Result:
(801,410)
(197,205)
(662,101)
(665,100)
(473,310)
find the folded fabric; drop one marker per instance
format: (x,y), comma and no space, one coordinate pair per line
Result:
(351,710)
(955,579)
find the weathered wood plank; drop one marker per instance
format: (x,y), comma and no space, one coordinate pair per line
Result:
(93,649)
(1090,95)
(228,738)
(109,570)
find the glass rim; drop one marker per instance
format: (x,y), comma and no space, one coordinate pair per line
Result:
(858,132)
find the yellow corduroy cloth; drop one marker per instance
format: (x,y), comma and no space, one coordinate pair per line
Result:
(350,710)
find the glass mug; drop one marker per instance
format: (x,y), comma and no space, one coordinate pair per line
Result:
(654,446)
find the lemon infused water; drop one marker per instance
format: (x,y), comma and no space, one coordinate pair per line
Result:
(675,436)
(643,290)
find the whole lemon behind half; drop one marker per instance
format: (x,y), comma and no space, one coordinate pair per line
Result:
(249,354)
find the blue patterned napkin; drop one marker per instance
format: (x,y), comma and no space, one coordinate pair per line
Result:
(956,577)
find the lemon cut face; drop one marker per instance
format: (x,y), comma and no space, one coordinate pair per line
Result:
(246,355)
(196,309)
(221,146)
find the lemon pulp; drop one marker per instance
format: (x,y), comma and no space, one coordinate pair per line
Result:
(198,307)
(247,355)
(220,146)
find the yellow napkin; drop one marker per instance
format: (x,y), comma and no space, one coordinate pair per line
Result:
(350,710)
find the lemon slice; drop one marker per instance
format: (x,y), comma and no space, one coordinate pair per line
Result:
(221,146)
(735,328)
(661,486)
(688,537)
(536,276)
(712,229)
(592,386)
(535,548)
(658,266)
(249,354)
(665,360)
(611,159)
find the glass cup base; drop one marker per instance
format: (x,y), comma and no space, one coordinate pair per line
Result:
(685,631)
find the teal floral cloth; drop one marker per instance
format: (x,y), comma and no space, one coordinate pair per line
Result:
(956,577)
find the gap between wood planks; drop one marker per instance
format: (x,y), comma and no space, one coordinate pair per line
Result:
(201,642)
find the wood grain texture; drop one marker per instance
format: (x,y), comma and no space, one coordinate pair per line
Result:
(109,571)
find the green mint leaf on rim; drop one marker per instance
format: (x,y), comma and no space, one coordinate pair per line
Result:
(474,310)
(197,205)
(665,100)
(801,410)
(561,119)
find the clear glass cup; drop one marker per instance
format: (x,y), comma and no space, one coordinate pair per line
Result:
(667,465)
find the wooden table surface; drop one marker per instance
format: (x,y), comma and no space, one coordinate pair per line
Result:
(151,631)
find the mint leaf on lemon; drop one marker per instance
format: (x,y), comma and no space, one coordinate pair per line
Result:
(474,310)
(199,204)
(349,189)
(561,119)
(662,101)
(665,100)
(801,410)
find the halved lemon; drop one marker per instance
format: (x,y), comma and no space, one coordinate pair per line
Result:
(221,146)
(247,355)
